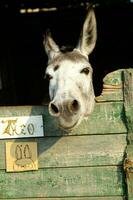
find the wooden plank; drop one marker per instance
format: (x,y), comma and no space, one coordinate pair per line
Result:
(110,95)
(128,166)
(73,151)
(112,87)
(128,94)
(114,78)
(128,103)
(63,182)
(106,118)
(77,198)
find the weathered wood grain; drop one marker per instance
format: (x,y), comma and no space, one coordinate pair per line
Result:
(63,182)
(128,94)
(110,95)
(77,198)
(83,164)
(128,103)
(106,118)
(114,78)
(112,87)
(130,185)
(70,151)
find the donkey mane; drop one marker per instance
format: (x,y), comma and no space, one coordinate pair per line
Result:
(67,48)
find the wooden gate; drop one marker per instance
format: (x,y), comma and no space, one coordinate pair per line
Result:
(84,164)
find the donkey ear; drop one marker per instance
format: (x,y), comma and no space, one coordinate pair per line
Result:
(51,48)
(27,152)
(18,152)
(88,35)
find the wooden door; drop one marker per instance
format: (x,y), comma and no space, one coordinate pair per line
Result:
(83,164)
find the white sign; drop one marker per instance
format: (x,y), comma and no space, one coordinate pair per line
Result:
(21,127)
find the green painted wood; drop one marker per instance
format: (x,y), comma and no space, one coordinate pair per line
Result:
(107,118)
(77,198)
(128,94)
(128,167)
(93,150)
(128,103)
(78,166)
(114,78)
(110,96)
(129,172)
(112,87)
(63,182)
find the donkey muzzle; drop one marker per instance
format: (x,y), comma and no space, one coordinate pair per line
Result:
(71,107)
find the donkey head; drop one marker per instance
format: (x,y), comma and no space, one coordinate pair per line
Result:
(70,75)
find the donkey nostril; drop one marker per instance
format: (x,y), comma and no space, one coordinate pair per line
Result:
(54,109)
(74,107)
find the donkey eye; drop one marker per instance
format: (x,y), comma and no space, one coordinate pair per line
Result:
(85,71)
(48,77)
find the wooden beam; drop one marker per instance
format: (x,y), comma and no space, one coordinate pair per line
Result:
(77,198)
(63,182)
(128,104)
(128,101)
(107,118)
(93,150)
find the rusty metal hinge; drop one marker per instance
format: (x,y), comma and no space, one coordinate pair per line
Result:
(128,167)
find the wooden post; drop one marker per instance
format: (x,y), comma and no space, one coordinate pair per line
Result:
(128,104)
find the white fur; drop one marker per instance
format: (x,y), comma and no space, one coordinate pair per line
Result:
(71,90)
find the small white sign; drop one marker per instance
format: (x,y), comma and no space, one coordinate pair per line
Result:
(21,127)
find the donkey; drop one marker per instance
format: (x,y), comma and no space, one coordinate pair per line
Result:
(70,76)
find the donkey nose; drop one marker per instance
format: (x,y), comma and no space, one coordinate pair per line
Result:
(73,106)
(54,109)
(66,106)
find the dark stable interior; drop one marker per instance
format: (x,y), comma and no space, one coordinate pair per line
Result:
(23,60)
